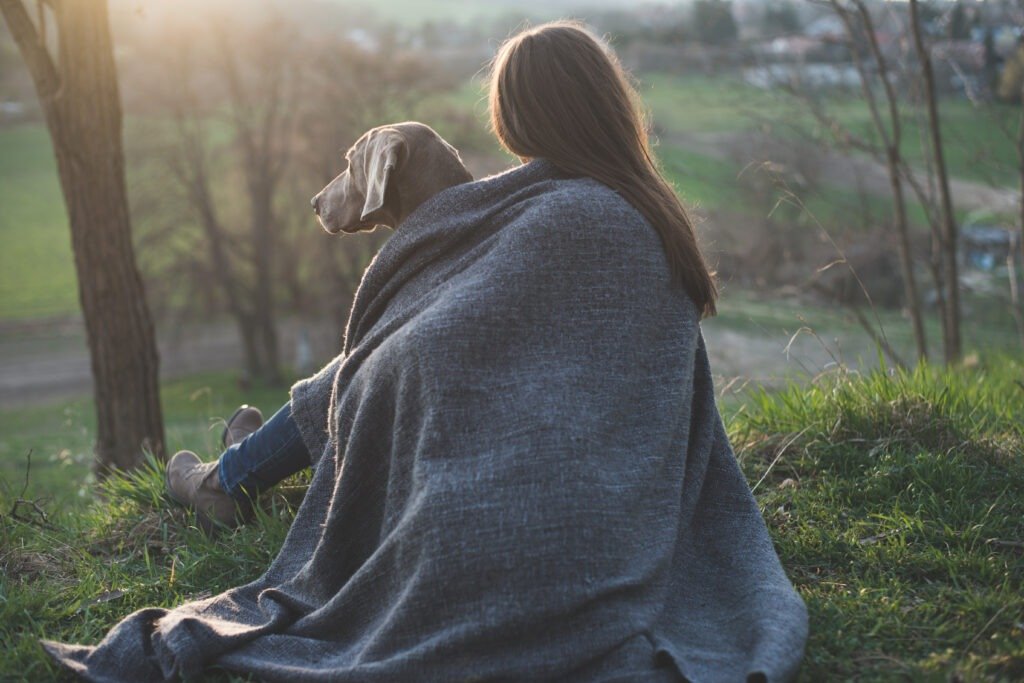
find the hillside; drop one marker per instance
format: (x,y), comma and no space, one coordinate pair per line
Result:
(894,499)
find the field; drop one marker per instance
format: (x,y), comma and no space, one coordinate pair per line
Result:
(976,146)
(37,274)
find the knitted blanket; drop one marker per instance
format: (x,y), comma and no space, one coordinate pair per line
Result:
(520,474)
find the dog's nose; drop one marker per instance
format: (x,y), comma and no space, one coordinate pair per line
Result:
(315,201)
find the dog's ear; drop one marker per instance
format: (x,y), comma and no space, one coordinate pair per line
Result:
(383,154)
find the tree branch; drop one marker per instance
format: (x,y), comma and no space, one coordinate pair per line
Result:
(865,79)
(33,50)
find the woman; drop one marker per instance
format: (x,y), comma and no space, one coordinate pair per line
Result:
(519,469)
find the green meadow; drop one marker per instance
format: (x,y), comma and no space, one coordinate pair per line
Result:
(37,275)
(978,140)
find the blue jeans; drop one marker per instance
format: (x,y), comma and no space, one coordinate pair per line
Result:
(266,457)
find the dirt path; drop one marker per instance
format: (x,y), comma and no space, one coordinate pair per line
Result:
(45,362)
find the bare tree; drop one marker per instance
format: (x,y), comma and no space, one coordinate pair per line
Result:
(78,91)
(885,147)
(948,228)
(250,125)
(262,111)
(249,86)
(890,134)
(1015,297)
(873,67)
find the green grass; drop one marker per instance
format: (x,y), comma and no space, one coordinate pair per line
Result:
(701,181)
(37,276)
(60,437)
(974,143)
(687,103)
(92,560)
(709,185)
(697,104)
(73,576)
(895,501)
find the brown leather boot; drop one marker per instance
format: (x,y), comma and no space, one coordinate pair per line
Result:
(244,422)
(196,484)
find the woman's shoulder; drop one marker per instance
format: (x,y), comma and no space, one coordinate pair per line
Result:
(569,205)
(589,197)
(581,221)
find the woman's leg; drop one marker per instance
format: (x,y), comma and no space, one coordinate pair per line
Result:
(266,457)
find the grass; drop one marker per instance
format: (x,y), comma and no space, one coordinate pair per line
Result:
(701,181)
(975,145)
(689,103)
(710,184)
(74,575)
(895,500)
(37,276)
(60,436)
(91,560)
(974,142)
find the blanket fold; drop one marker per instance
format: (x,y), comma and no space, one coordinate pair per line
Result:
(520,474)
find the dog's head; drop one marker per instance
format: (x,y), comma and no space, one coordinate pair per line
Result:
(391,171)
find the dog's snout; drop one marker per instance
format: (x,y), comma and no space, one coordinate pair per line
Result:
(315,202)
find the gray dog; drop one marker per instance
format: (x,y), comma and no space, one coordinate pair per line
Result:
(391,170)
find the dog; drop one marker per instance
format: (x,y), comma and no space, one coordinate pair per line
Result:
(391,170)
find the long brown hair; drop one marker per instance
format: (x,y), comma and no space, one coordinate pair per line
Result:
(559,93)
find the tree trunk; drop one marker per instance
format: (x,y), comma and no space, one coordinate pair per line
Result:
(906,259)
(82,106)
(951,320)
(894,161)
(263,306)
(248,334)
(891,139)
(1015,288)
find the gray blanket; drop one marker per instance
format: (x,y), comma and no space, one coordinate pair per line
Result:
(520,475)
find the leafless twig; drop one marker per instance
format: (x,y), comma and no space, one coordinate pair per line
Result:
(29,511)
(778,455)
